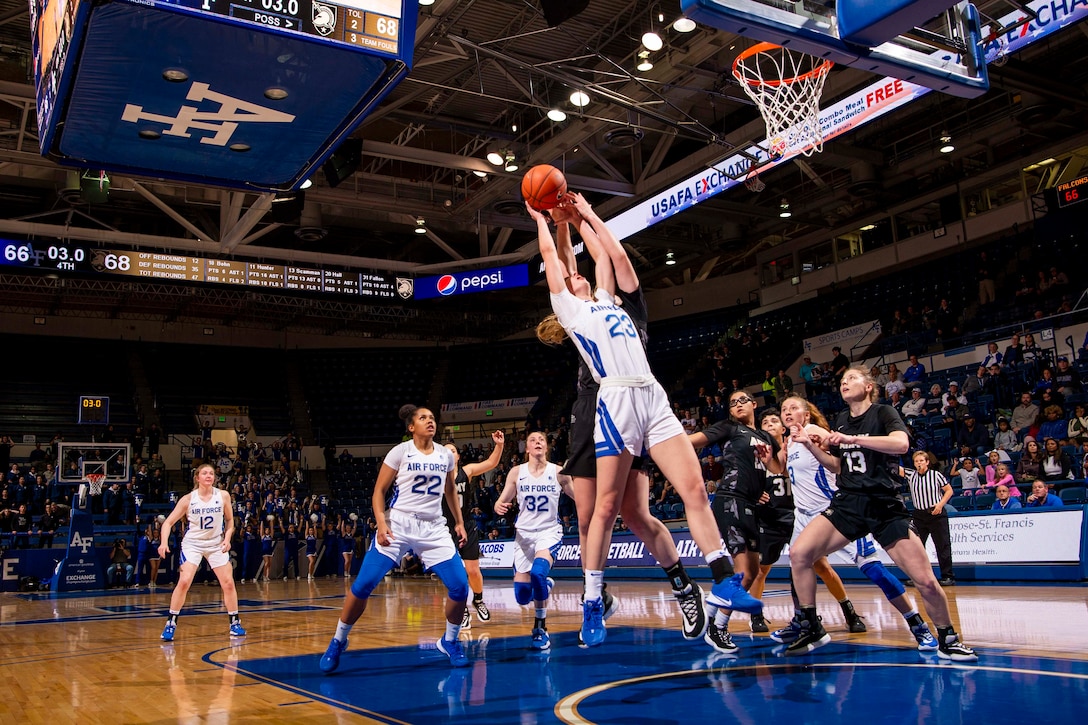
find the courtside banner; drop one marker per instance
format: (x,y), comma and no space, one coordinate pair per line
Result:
(496,554)
(626,551)
(857,109)
(480,280)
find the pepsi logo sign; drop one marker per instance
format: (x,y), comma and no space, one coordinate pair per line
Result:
(447,285)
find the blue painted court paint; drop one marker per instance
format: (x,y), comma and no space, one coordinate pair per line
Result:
(644,675)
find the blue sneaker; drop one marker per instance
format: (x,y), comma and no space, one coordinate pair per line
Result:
(236,630)
(331,659)
(453,650)
(926,641)
(168,632)
(729,594)
(541,640)
(592,623)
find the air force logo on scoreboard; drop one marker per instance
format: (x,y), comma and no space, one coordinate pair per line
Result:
(221,124)
(324,17)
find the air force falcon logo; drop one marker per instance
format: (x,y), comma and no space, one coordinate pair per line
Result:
(405,287)
(324,17)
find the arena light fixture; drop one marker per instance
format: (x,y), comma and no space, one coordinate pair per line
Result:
(496,158)
(557,115)
(784,209)
(307,184)
(421,225)
(511,162)
(684,25)
(652,41)
(644,62)
(670,258)
(481,174)
(579,99)
(426,2)
(946,146)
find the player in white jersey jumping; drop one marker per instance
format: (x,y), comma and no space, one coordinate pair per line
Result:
(211,526)
(421,474)
(813,489)
(633,415)
(537,485)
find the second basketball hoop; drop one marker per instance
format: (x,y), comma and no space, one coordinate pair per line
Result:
(786,86)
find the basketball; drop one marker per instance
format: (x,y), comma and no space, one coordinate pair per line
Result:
(543,186)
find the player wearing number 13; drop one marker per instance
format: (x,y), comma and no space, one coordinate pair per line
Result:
(420,473)
(211,527)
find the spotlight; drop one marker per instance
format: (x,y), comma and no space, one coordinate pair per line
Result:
(670,258)
(652,41)
(784,209)
(644,62)
(557,115)
(946,146)
(495,158)
(426,2)
(421,225)
(684,25)
(579,99)
(307,184)
(511,162)
(481,174)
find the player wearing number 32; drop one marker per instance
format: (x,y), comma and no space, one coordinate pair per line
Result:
(420,473)
(211,526)
(537,485)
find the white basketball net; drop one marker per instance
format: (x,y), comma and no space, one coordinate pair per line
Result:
(786,85)
(94,481)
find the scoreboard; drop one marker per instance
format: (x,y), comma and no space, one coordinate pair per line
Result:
(163,266)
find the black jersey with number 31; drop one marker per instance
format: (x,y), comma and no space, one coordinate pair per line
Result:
(865,470)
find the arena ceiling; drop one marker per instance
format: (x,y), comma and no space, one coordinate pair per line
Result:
(485,74)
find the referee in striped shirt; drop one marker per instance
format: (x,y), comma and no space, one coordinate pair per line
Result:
(930,491)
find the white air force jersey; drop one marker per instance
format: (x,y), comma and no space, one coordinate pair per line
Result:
(420,482)
(606,337)
(205,519)
(538,498)
(813,485)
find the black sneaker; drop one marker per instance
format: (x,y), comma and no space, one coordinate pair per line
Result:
(759,624)
(855,624)
(481,610)
(953,649)
(719,639)
(692,611)
(812,636)
(466,620)
(611,604)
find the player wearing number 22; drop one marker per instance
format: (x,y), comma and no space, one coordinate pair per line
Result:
(211,527)
(421,473)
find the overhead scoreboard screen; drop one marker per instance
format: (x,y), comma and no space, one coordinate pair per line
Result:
(372,24)
(250,94)
(164,266)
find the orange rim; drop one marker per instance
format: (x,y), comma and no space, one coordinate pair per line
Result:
(758,48)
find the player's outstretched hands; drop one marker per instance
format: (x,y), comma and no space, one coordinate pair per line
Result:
(501,507)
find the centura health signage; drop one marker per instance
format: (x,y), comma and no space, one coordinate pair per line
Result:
(480,280)
(857,109)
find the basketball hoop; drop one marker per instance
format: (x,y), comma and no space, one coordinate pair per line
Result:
(753,183)
(95,483)
(786,86)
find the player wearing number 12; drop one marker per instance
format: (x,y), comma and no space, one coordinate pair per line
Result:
(211,527)
(421,473)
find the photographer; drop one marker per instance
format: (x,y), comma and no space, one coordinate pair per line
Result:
(119,564)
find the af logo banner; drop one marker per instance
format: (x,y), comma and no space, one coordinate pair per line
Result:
(80,568)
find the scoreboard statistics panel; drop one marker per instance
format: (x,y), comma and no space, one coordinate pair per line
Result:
(162,266)
(251,94)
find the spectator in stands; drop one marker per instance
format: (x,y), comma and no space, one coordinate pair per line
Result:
(1032,354)
(807,367)
(47,527)
(1005,439)
(1057,465)
(1030,465)
(1003,476)
(985,277)
(895,400)
(967,470)
(1004,501)
(783,385)
(935,400)
(839,365)
(915,374)
(916,406)
(120,569)
(1077,427)
(1054,424)
(1014,353)
(992,355)
(973,435)
(493,534)
(1024,415)
(1066,378)
(894,382)
(977,384)
(953,393)
(1041,497)
(1045,382)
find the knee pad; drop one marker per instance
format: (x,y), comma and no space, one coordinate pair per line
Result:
(523,592)
(374,568)
(453,575)
(879,575)
(539,578)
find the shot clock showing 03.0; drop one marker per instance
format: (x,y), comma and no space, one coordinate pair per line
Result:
(94,410)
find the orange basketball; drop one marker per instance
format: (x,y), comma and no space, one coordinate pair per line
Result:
(543,186)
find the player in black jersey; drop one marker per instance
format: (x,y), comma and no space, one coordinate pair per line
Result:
(865,444)
(470,552)
(775,514)
(747,455)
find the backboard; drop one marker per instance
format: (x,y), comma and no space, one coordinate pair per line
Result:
(933,43)
(75,460)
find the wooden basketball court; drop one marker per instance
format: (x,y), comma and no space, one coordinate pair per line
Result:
(99,659)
